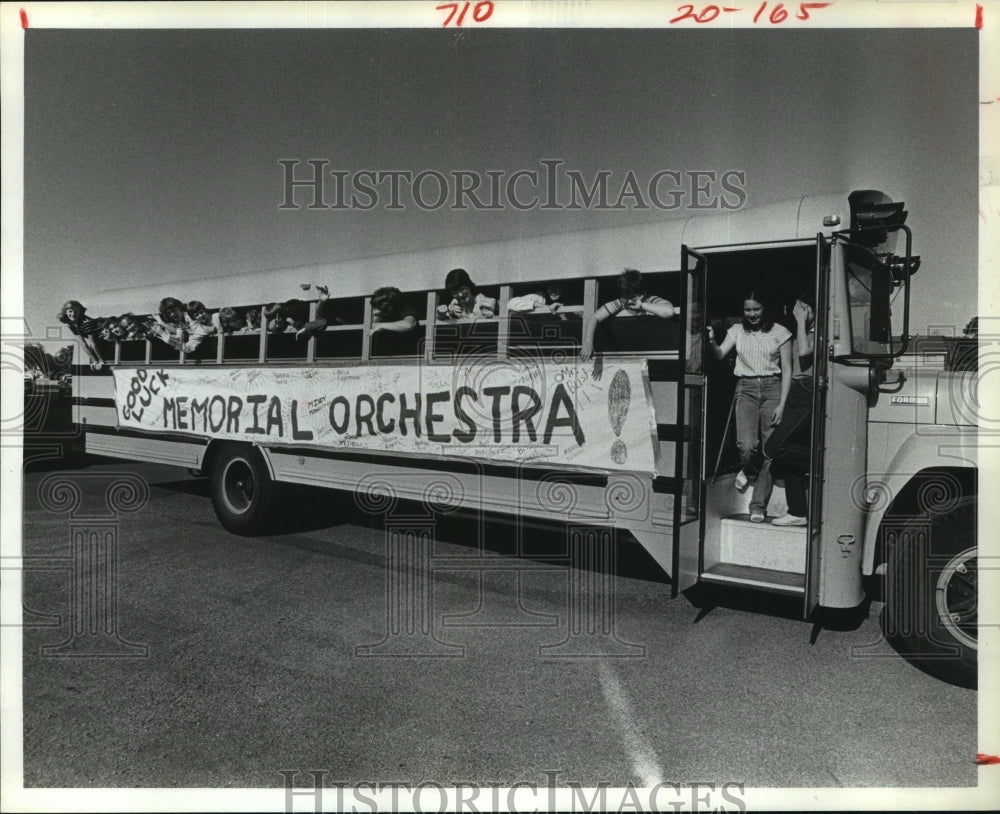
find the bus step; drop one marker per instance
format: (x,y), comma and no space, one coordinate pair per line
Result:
(766,579)
(761,545)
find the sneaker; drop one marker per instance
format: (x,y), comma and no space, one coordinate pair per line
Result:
(789,520)
(757,517)
(742,481)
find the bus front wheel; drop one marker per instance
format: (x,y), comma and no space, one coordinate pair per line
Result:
(242,490)
(931,598)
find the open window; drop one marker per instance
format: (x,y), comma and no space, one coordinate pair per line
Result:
(629,334)
(544,318)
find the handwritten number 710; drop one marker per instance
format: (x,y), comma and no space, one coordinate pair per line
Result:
(480,12)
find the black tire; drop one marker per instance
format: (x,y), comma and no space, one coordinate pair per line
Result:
(242,490)
(932,594)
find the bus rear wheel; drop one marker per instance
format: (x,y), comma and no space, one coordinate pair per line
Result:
(242,490)
(932,596)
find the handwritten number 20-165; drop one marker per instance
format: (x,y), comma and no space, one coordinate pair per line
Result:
(480,12)
(778,12)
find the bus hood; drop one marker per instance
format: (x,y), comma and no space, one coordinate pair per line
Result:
(929,397)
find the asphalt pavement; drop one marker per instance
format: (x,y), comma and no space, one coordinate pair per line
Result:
(416,647)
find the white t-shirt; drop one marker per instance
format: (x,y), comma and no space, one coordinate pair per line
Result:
(757,352)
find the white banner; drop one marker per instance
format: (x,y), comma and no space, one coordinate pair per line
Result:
(539,411)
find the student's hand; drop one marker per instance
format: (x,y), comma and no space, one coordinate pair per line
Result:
(455,309)
(586,351)
(96,364)
(598,370)
(801,311)
(776,417)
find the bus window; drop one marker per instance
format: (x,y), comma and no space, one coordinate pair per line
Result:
(545,317)
(386,344)
(628,334)
(240,347)
(457,337)
(207,350)
(395,308)
(339,342)
(133,350)
(285,347)
(162,352)
(342,337)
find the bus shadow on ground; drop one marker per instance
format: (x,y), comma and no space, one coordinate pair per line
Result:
(302,509)
(539,542)
(199,487)
(297,509)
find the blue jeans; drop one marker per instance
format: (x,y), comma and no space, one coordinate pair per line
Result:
(756,400)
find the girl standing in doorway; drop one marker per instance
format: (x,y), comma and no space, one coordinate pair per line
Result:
(764,374)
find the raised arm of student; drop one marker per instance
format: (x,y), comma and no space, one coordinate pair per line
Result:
(785,352)
(804,336)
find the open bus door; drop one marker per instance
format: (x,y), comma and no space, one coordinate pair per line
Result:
(820,367)
(847,297)
(689,465)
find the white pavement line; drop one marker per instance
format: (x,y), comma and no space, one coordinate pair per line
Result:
(644,764)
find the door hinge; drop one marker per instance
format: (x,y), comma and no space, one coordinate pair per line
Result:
(821,382)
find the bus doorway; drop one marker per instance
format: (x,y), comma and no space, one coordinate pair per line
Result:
(737,552)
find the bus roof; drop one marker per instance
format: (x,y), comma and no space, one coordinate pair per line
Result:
(648,246)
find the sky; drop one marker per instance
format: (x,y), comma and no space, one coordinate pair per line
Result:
(152,155)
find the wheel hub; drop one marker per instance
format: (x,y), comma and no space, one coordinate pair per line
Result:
(238,486)
(956,596)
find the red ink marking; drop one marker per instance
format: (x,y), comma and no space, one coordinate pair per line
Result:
(480,12)
(706,15)
(979,17)
(24,19)
(987,760)
(485,8)
(803,13)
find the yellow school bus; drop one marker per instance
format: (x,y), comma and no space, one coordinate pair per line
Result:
(499,415)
